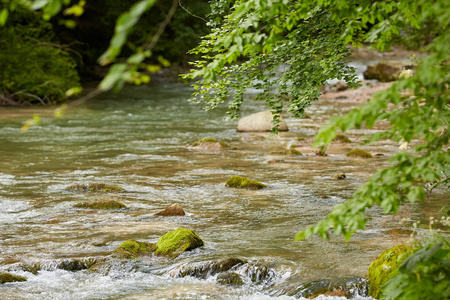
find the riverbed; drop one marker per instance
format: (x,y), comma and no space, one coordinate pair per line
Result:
(137,139)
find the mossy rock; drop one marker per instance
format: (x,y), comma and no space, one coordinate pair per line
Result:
(110,204)
(385,267)
(95,187)
(230,278)
(8,277)
(359,153)
(342,139)
(134,249)
(339,176)
(176,242)
(208,144)
(244,183)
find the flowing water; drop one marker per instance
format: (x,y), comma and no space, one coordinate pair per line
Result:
(137,139)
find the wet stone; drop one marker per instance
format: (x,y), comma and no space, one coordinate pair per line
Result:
(209,268)
(95,187)
(230,278)
(173,210)
(244,183)
(110,204)
(8,277)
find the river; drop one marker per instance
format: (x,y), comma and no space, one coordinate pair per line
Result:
(137,139)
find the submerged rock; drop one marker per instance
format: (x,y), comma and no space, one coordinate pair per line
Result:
(252,137)
(95,187)
(385,71)
(345,287)
(133,249)
(230,278)
(359,153)
(208,144)
(110,204)
(173,210)
(8,277)
(261,121)
(341,139)
(209,268)
(244,183)
(386,266)
(176,242)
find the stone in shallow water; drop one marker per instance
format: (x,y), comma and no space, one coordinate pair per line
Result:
(8,277)
(176,242)
(95,187)
(359,153)
(244,183)
(339,176)
(208,144)
(173,210)
(208,268)
(342,139)
(133,249)
(230,278)
(111,204)
(261,121)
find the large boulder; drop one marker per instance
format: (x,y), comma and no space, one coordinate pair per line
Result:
(261,121)
(385,267)
(385,71)
(176,242)
(171,244)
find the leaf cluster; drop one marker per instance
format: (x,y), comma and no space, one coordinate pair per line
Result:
(423,275)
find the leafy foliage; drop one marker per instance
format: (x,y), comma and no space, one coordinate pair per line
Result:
(288,49)
(423,275)
(279,48)
(33,68)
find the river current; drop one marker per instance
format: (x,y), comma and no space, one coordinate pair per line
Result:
(137,139)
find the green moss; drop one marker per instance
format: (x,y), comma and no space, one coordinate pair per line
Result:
(176,242)
(359,153)
(133,249)
(111,204)
(386,266)
(208,141)
(8,277)
(244,183)
(342,138)
(95,187)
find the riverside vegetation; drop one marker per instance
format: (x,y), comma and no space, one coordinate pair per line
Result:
(310,40)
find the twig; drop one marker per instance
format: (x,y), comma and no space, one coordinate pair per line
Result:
(149,46)
(195,16)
